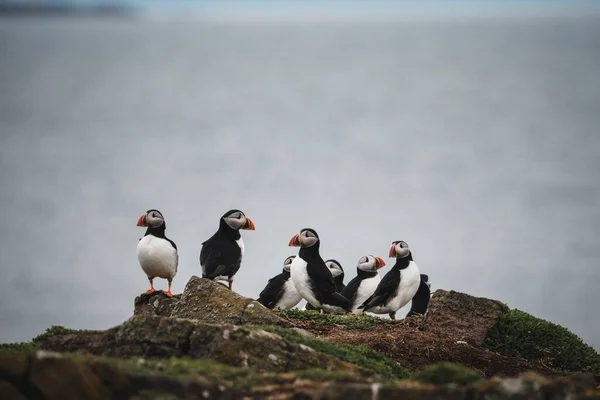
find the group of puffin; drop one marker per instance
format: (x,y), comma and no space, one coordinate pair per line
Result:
(305,276)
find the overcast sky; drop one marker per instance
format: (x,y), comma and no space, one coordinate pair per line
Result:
(474,140)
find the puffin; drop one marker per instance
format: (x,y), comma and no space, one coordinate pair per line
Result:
(311,277)
(156,253)
(398,286)
(222,254)
(280,291)
(364,284)
(338,274)
(420,301)
(338,277)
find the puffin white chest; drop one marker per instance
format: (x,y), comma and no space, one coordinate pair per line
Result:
(301,281)
(365,290)
(157,257)
(240,243)
(410,279)
(290,296)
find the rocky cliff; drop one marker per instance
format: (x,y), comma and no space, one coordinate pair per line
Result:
(209,342)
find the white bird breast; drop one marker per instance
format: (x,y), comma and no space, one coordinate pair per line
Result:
(290,296)
(301,281)
(365,290)
(157,257)
(410,279)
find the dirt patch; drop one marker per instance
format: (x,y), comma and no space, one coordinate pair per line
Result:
(414,349)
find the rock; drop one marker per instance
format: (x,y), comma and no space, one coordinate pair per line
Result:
(13,367)
(207,301)
(54,376)
(461,317)
(49,376)
(156,303)
(9,392)
(152,336)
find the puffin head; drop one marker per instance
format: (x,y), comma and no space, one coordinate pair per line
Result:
(335,267)
(237,220)
(370,263)
(287,264)
(399,249)
(151,218)
(306,238)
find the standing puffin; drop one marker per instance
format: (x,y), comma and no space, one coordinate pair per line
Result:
(420,301)
(221,256)
(311,277)
(398,286)
(364,284)
(338,277)
(338,274)
(156,253)
(280,291)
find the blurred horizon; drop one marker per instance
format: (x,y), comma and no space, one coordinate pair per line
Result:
(466,128)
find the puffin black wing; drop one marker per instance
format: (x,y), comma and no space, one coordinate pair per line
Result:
(384,291)
(321,277)
(219,258)
(420,301)
(323,285)
(351,289)
(273,291)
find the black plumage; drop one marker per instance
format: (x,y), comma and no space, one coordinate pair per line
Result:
(338,280)
(272,293)
(420,301)
(221,255)
(388,285)
(321,280)
(351,289)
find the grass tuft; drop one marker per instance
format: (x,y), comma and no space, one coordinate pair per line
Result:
(519,334)
(445,372)
(349,321)
(54,330)
(362,356)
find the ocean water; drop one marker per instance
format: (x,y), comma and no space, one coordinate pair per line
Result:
(474,138)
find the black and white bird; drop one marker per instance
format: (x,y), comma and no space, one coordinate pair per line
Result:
(280,291)
(420,301)
(156,253)
(361,287)
(338,274)
(338,277)
(398,286)
(311,277)
(221,256)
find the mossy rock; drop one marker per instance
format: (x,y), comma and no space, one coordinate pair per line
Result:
(364,357)
(519,334)
(446,373)
(349,321)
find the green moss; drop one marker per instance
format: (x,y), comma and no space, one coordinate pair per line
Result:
(34,345)
(154,395)
(364,357)
(330,376)
(349,321)
(446,372)
(55,330)
(519,334)
(22,347)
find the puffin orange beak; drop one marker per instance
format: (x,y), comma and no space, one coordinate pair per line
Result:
(392,251)
(249,225)
(294,242)
(142,220)
(380,263)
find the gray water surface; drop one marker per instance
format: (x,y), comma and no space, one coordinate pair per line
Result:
(475,140)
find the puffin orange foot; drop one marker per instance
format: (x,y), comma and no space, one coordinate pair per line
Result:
(149,291)
(168,293)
